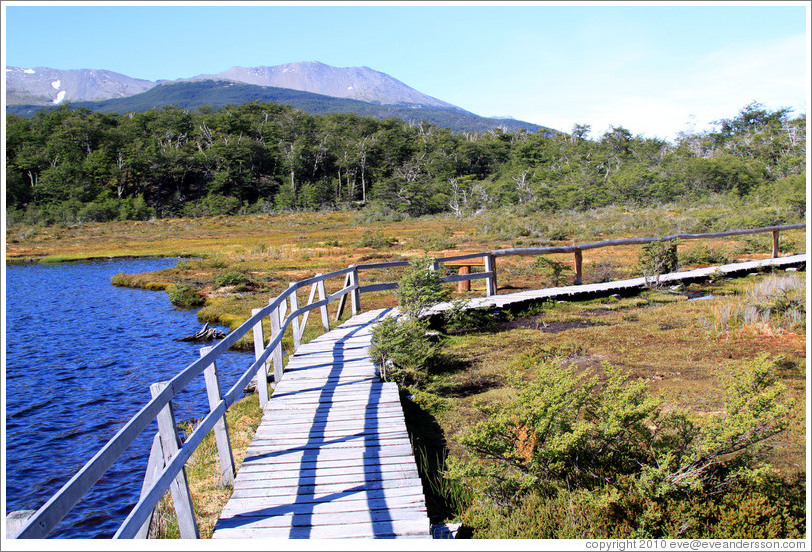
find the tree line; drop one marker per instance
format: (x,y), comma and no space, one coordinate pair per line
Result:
(70,165)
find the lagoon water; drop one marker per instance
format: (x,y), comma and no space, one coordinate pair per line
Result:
(80,357)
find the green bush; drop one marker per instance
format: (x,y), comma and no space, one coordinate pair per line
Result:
(703,255)
(375,241)
(232,278)
(657,258)
(403,351)
(183,295)
(605,460)
(461,318)
(553,270)
(420,288)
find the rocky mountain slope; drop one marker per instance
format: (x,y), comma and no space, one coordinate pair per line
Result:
(354,83)
(47,86)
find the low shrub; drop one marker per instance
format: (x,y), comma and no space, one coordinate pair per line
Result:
(553,270)
(703,255)
(403,350)
(420,288)
(570,456)
(375,240)
(461,318)
(657,258)
(232,278)
(183,295)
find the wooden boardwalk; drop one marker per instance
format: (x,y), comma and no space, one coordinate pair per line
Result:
(331,457)
(626,286)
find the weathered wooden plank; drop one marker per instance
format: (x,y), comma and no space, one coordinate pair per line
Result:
(351,441)
(346,495)
(296,490)
(387,410)
(387,529)
(306,462)
(329,400)
(332,477)
(370,466)
(335,428)
(266,518)
(333,414)
(257,453)
(255,507)
(376,419)
(338,387)
(332,365)
(362,436)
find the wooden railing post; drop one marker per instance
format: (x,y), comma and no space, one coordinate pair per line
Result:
(325,317)
(343,300)
(259,347)
(490,267)
(355,295)
(155,464)
(221,437)
(276,355)
(775,244)
(579,259)
(464,285)
(294,306)
(179,488)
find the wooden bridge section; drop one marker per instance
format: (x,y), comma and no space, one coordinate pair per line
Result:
(331,457)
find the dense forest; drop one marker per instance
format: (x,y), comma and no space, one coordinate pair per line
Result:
(75,165)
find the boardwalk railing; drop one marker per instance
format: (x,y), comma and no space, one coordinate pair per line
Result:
(166,465)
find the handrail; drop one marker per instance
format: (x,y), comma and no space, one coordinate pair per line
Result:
(634,241)
(46,518)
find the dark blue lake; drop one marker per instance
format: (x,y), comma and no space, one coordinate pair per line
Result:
(80,357)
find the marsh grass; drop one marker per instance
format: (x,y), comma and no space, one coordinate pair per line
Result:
(775,303)
(209,496)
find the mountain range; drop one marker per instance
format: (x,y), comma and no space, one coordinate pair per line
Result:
(311,86)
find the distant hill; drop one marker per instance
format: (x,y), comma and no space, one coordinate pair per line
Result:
(217,93)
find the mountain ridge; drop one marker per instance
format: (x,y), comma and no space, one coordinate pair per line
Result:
(354,83)
(312,86)
(195,94)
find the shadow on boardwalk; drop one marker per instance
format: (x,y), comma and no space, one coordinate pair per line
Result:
(332,457)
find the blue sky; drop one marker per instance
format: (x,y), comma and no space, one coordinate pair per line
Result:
(653,68)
